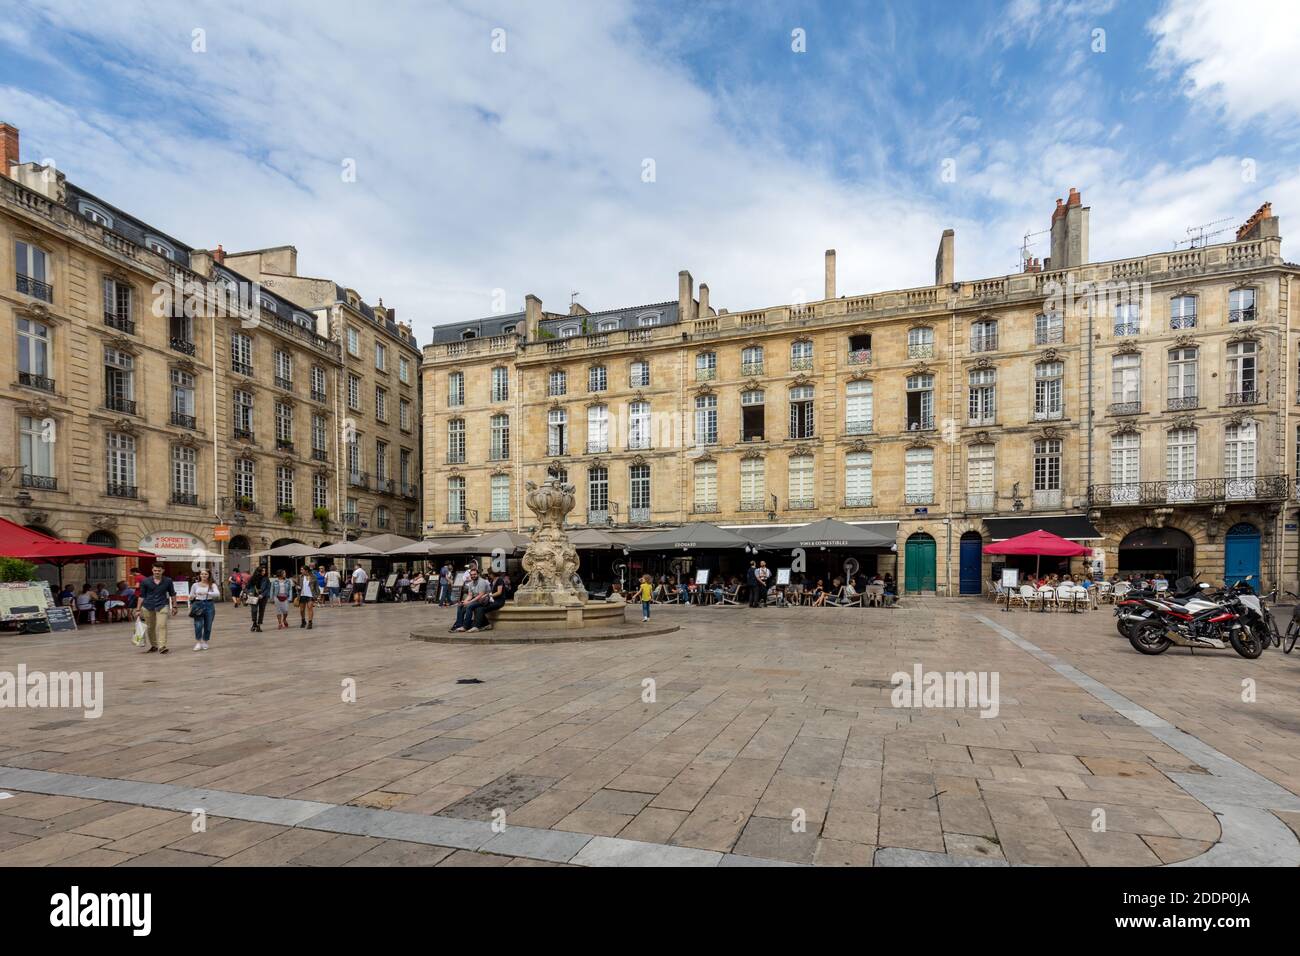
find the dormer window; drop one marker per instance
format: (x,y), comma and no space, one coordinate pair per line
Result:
(96,214)
(508,330)
(568,331)
(647,320)
(468,334)
(609,325)
(267,303)
(164,249)
(303,320)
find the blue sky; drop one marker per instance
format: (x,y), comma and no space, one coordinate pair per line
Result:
(486,174)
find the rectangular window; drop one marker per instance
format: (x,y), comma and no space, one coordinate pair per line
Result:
(245,486)
(752,415)
(706,486)
(1049,327)
(1241,305)
(184,475)
(34,353)
(800,482)
(751,360)
(381,461)
(980,490)
(456,499)
(121,465)
(597,495)
(318,383)
(1049,390)
(241,353)
(283,425)
(354,342)
(639,492)
(1126,383)
(404,369)
(801,356)
(1047,465)
(801,411)
(1125,459)
(354,392)
(857,479)
(33,273)
(597,429)
(1182,378)
(920,402)
(500,384)
(859,408)
(557,382)
(706,366)
(183,402)
(381,357)
(319,437)
(500,489)
(119,381)
(1180,457)
(706,419)
(403,414)
(1182,312)
(918,482)
(381,404)
(117,306)
(319,491)
(456,389)
(243,414)
(284,488)
(753,484)
(456,441)
(596,378)
(984,336)
(557,427)
(640,377)
(982,403)
(37,451)
(638,425)
(1128,318)
(283,369)
(1242,383)
(500,437)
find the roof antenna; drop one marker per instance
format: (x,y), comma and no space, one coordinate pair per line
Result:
(1198,234)
(573,297)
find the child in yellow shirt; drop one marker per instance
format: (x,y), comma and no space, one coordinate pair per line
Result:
(646,594)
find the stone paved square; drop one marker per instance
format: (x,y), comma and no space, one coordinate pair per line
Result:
(768,741)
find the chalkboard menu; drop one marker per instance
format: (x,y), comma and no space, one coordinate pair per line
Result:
(372,591)
(61,618)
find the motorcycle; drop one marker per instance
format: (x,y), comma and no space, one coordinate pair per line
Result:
(1203,621)
(1132,609)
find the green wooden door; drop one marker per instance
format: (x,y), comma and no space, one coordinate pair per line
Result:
(919,559)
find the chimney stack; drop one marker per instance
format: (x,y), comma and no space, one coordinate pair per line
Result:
(685,296)
(219,255)
(1070,232)
(944,265)
(704,301)
(830,274)
(1259,226)
(8,148)
(532,317)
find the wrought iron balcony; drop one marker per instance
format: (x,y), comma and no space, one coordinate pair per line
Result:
(1198,491)
(705,508)
(1048,414)
(115,404)
(40,482)
(184,498)
(411,491)
(923,351)
(860,356)
(597,516)
(800,504)
(36,288)
(981,502)
(318,396)
(181,345)
(284,383)
(1183,321)
(1249,396)
(858,428)
(751,368)
(116,490)
(243,368)
(1183,403)
(498,516)
(359,479)
(243,433)
(184,421)
(350,517)
(387,486)
(640,515)
(32,380)
(284,444)
(1242,315)
(1126,328)
(1049,336)
(858,501)
(119,322)
(246,505)
(919,498)
(1047,499)
(455,458)
(319,454)
(705,374)
(988,343)
(801,364)
(1125,408)
(597,447)
(753,504)
(637,443)
(920,423)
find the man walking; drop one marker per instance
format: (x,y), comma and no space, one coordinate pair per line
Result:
(751,584)
(359,581)
(764,574)
(155,595)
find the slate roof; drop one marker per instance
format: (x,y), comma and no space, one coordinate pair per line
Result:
(124,224)
(607,321)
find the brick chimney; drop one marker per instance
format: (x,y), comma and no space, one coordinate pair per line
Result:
(219,255)
(1255,227)
(8,148)
(1070,232)
(829,291)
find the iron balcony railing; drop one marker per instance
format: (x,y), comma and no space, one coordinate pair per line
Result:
(858,428)
(1126,408)
(860,356)
(1126,328)
(800,504)
(920,423)
(184,498)
(1050,335)
(284,444)
(751,368)
(350,517)
(359,479)
(119,322)
(317,396)
(705,374)
(639,515)
(597,447)
(244,433)
(181,345)
(36,288)
(858,501)
(1249,396)
(493,516)
(1242,315)
(923,351)
(284,383)
(989,343)
(243,368)
(1183,321)
(1046,499)
(319,454)
(981,501)
(753,504)
(184,421)
(705,508)
(115,490)
(801,364)
(1197,491)
(115,404)
(247,505)
(41,482)
(1183,403)
(32,380)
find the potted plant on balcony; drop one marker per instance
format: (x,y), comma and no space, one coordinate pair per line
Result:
(323,516)
(288,515)
(244,503)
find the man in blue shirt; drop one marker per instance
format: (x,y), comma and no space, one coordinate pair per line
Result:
(156,594)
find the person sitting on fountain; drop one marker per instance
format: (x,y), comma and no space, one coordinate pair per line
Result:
(476,592)
(500,591)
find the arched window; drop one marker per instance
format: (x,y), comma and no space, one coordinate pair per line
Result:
(751,360)
(801,355)
(102,570)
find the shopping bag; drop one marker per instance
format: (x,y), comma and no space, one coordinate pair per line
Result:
(141,632)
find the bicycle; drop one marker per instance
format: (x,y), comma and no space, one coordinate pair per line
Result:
(1292,629)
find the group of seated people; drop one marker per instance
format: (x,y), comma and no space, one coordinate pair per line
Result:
(800,591)
(97,603)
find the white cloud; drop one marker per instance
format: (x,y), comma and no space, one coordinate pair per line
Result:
(1239,58)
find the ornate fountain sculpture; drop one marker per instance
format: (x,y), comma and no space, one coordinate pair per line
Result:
(551,559)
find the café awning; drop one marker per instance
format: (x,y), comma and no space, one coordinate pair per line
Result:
(385,543)
(831,533)
(696,536)
(294,549)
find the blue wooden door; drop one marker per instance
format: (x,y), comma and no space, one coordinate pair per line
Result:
(972,555)
(1241,554)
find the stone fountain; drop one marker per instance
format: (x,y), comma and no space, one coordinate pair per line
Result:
(552,595)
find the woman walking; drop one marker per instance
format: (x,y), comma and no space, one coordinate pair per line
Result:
(236,585)
(202,593)
(282,592)
(257,594)
(308,589)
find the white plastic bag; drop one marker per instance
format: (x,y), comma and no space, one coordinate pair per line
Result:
(141,632)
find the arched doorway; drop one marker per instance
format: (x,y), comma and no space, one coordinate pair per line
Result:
(102,569)
(972,563)
(290,565)
(237,555)
(1241,554)
(1147,551)
(919,563)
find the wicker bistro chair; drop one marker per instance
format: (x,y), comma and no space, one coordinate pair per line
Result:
(1026,596)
